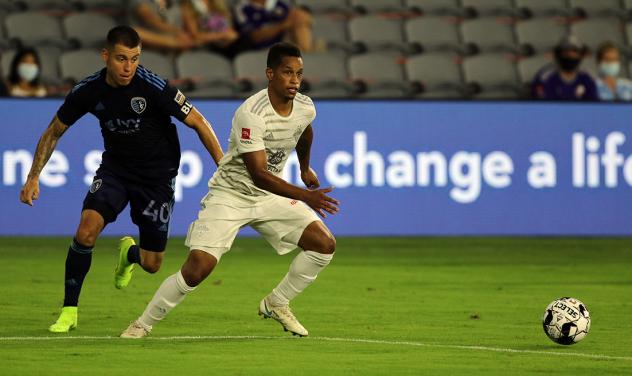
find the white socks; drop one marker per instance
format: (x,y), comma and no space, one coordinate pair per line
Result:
(169,294)
(303,271)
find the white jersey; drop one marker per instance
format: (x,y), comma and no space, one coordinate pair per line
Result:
(257,126)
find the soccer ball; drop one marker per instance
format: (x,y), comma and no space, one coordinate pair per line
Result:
(566,321)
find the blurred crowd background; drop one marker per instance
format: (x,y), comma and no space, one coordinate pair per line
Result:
(392,49)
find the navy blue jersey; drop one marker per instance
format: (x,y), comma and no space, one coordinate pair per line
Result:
(549,84)
(140,141)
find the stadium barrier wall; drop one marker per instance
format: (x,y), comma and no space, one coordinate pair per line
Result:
(399,168)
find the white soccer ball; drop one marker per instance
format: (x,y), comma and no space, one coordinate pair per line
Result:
(566,321)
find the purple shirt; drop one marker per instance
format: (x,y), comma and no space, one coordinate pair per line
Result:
(549,84)
(250,17)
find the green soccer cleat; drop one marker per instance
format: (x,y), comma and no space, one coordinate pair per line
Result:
(124,269)
(67,320)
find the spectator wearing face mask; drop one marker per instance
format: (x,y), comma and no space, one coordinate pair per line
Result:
(24,75)
(564,80)
(610,86)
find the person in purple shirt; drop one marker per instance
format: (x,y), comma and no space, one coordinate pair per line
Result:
(266,22)
(564,81)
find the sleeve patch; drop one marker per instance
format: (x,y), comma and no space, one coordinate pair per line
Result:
(245,133)
(179,98)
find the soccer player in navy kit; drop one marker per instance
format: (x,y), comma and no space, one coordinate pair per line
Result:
(139,164)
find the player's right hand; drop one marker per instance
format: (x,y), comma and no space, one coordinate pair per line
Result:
(318,200)
(30,191)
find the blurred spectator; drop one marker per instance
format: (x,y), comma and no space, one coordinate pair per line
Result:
(209,23)
(160,24)
(266,22)
(610,86)
(24,75)
(564,80)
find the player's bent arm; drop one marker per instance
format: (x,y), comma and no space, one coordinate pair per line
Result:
(304,147)
(257,166)
(46,146)
(196,121)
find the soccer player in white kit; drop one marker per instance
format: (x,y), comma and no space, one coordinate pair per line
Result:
(247,190)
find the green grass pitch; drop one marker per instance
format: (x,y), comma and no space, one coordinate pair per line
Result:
(385,306)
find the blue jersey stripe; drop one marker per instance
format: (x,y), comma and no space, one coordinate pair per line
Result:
(151,78)
(88,79)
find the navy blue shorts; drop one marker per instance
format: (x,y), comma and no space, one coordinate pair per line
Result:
(150,206)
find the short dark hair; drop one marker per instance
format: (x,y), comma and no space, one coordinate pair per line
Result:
(605,47)
(124,35)
(14,77)
(280,50)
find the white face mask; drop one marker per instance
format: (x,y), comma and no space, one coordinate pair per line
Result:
(28,71)
(610,69)
(270,4)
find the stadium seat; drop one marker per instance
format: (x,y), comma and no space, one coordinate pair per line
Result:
(332,32)
(589,65)
(593,32)
(377,33)
(438,74)
(491,76)
(540,33)
(545,8)
(211,73)
(88,29)
(54,6)
(489,34)
(34,29)
(325,6)
(381,74)
(527,68)
(327,75)
(372,6)
(158,63)
(601,8)
(435,7)
(628,33)
(77,65)
(433,33)
(250,68)
(487,8)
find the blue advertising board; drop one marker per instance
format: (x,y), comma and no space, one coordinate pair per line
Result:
(398,168)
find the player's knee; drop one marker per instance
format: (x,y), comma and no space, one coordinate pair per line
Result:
(86,237)
(328,244)
(152,267)
(197,267)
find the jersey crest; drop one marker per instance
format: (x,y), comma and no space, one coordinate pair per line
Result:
(138,104)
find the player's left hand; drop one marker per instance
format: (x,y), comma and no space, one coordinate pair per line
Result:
(310,179)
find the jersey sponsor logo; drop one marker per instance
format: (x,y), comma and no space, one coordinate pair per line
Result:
(138,104)
(96,185)
(179,98)
(245,133)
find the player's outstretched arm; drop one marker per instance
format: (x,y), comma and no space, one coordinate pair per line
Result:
(257,165)
(196,121)
(45,148)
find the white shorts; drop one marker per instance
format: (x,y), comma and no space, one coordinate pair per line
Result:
(281,221)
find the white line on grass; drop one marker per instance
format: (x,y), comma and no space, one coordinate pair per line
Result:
(331,339)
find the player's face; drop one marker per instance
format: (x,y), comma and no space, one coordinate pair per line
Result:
(121,63)
(286,79)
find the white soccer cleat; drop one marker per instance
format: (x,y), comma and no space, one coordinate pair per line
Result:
(284,316)
(135,330)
